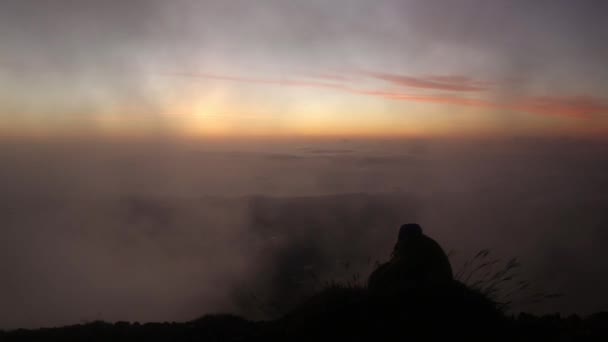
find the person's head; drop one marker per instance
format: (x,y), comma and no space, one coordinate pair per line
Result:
(409,231)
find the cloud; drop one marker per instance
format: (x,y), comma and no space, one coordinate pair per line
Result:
(570,106)
(331,77)
(268,81)
(574,106)
(451,83)
(566,105)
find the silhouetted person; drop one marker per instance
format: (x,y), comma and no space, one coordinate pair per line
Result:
(417,263)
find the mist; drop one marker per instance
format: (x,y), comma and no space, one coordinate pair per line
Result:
(168,230)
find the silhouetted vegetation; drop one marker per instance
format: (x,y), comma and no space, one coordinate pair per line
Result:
(500,281)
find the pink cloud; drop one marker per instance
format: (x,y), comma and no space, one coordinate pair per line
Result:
(451,83)
(572,106)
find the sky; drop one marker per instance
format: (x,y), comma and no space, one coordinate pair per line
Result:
(276,68)
(160,160)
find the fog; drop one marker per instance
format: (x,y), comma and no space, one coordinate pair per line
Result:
(169,230)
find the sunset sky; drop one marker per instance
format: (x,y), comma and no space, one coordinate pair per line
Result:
(382,68)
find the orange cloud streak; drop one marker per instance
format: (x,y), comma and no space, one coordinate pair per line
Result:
(451,83)
(571,106)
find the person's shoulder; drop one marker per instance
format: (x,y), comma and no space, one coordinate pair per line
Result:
(430,242)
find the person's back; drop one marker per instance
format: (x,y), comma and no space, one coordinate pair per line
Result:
(418,262)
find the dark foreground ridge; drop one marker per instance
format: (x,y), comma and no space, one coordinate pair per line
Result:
(413,297)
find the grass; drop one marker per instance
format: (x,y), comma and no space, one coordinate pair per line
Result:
(501,281)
